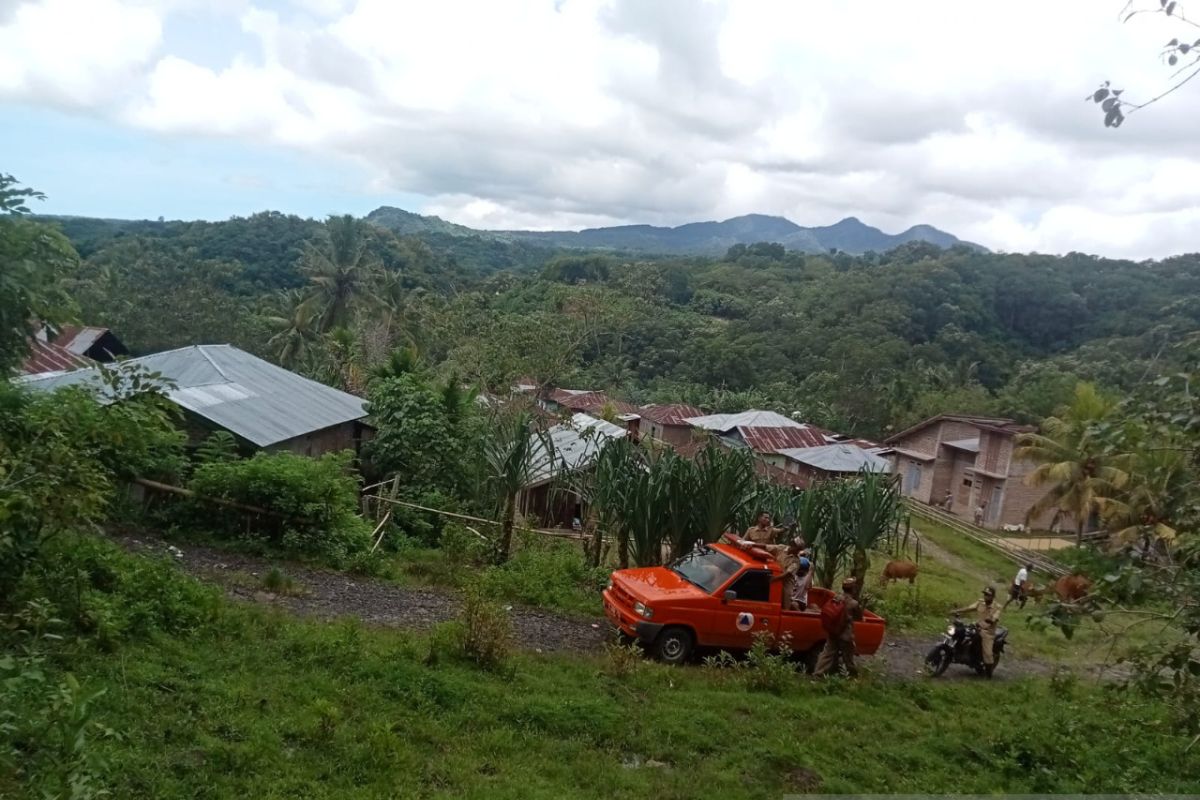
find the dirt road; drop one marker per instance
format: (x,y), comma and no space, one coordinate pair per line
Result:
(325,594)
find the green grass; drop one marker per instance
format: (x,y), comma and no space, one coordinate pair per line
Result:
(269,707)
(233,701)
(941,588)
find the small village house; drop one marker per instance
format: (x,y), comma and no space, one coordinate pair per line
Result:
(970,458)
(576,443)
(834,461)
(220,387)
(668,423)
(70,347)
(593,403)
(764,432)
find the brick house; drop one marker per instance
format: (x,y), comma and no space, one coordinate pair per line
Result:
(971,458)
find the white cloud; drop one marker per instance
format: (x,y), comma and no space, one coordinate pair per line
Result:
(586,112)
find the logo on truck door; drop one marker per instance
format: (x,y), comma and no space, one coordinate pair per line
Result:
(745,621)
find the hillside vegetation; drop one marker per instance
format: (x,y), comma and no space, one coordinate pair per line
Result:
(858,343)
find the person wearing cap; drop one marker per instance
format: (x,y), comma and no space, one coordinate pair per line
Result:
(1017,590)
(839,646)
(987,615)
(762,532)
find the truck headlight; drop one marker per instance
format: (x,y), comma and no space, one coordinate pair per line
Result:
(643,610)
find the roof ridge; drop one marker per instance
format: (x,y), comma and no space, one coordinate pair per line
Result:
(209,359)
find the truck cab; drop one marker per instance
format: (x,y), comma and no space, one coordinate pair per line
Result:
(720,596)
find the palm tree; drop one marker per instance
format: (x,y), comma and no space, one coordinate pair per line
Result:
(340,272)
(296,328)
(1144,513)
(1073,463)
(513,455)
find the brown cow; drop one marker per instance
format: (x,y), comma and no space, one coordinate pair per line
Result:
(1070,588)
(1035,593)
(898,571)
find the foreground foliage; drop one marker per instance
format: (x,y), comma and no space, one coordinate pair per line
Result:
(251,703)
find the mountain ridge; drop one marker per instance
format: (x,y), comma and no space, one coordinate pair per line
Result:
(849,235)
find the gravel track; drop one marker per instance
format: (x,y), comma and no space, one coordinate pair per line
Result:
(328,595)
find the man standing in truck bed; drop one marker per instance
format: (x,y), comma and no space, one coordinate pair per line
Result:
(788,556)
(763,532)
(837,618)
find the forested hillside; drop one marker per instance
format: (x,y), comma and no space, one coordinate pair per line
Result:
(859,343)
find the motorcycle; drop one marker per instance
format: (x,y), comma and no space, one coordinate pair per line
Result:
(961,645)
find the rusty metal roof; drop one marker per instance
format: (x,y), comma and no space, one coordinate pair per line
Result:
(771,440)
(670,414)
(49,357)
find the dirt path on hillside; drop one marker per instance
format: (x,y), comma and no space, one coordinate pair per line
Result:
(328,595)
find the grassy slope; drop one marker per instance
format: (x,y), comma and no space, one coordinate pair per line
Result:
(268,707)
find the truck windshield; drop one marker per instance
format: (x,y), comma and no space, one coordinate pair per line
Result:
(706,568)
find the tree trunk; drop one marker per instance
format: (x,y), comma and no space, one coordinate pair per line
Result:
(859,566)
(506,528)
(623,548)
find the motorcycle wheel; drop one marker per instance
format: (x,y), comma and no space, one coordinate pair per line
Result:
(937,661)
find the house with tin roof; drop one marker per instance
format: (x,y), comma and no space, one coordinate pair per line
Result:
(219,387)
(668,423)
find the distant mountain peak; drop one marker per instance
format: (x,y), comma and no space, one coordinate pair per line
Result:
(850,235)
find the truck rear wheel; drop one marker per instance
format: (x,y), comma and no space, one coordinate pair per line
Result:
(674,645)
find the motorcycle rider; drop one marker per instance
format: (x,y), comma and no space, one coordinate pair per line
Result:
(987,615)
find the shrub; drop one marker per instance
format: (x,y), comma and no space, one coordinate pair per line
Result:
(624,660)
(101,590)
(546,574)
(487,631)
(311,503)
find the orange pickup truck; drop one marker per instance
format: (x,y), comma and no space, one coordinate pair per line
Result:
(720,596)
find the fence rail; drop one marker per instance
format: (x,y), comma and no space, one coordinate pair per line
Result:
(1005,547)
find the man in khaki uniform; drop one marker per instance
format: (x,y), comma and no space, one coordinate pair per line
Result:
(763,532)
(987,615)
(839,646)
(788,556)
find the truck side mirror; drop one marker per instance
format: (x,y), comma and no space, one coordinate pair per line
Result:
(729,596)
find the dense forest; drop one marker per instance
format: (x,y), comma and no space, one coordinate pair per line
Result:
(858,343)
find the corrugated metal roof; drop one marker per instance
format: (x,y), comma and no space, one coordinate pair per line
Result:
(772,440)
(79,339)
(49,357)
(575,444)
(970,445)
(746,419)
(242,393)
(838,457)
(672,414)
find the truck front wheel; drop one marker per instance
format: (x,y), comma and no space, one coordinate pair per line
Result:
(674,645)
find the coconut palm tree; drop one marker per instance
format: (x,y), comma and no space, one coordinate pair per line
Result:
(296,328)
(513,454)
(1072,462)
(1144,513)
(340,271)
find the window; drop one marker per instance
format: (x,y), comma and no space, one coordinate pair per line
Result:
(706,568)
(966,481)
(754,586)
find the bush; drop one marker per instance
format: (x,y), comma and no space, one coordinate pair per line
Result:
(487,631)
(100,590)
(311,503)
(546,573)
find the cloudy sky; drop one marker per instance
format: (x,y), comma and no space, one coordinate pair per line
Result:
(576,113)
